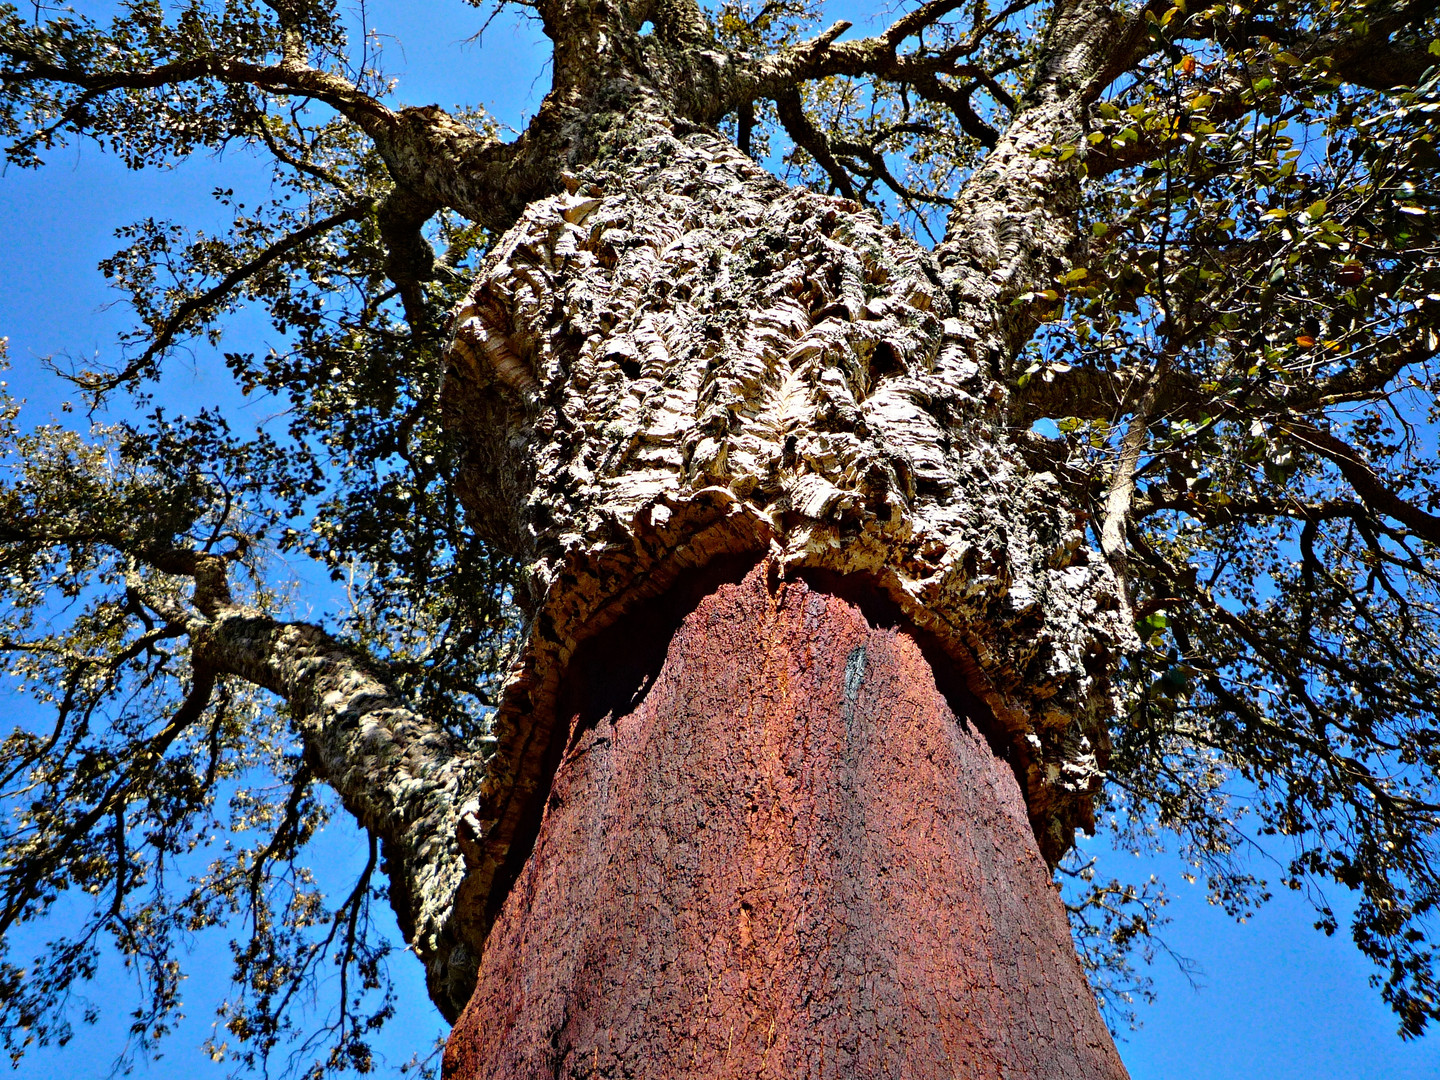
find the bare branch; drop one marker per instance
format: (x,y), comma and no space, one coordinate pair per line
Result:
(1363,478)
(286,78)
(98,384)
(1121,493)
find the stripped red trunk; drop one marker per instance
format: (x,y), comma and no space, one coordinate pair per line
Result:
(774,848)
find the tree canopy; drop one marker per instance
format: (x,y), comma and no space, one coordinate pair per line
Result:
(1230,369)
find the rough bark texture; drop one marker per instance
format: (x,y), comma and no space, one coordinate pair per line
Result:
(1014,228)
(403,777)
(684,359)
(773,849)
(678,362)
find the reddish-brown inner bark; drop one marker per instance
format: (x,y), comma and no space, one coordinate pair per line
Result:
(772,849)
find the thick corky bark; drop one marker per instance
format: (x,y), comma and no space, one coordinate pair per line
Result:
(773,849)
(684,359)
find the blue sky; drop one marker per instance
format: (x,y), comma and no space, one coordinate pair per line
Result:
(1277,1000)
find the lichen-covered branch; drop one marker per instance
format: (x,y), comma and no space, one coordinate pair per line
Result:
(405,780)
(1014,226)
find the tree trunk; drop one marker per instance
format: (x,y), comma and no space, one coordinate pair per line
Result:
(773,847)
(770,845)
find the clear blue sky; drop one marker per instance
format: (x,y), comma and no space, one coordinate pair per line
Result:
(1278,999)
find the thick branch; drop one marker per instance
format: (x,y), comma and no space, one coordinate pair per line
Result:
(1013,228)
(823,56)
(1363,479)
(405,779)
(680,22)
(409,258)
(740,80)
(805,135)
(957,99)
(1374,372)
(1089,393)
(1234,511)
(1121,492)
(428,152)
(288,77)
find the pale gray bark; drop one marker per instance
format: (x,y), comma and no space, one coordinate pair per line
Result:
(1014,227)
(405,779)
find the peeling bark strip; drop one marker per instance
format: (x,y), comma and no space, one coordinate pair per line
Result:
(773,850)
(682,359)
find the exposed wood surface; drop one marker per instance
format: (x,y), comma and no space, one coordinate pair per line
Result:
(772,849)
